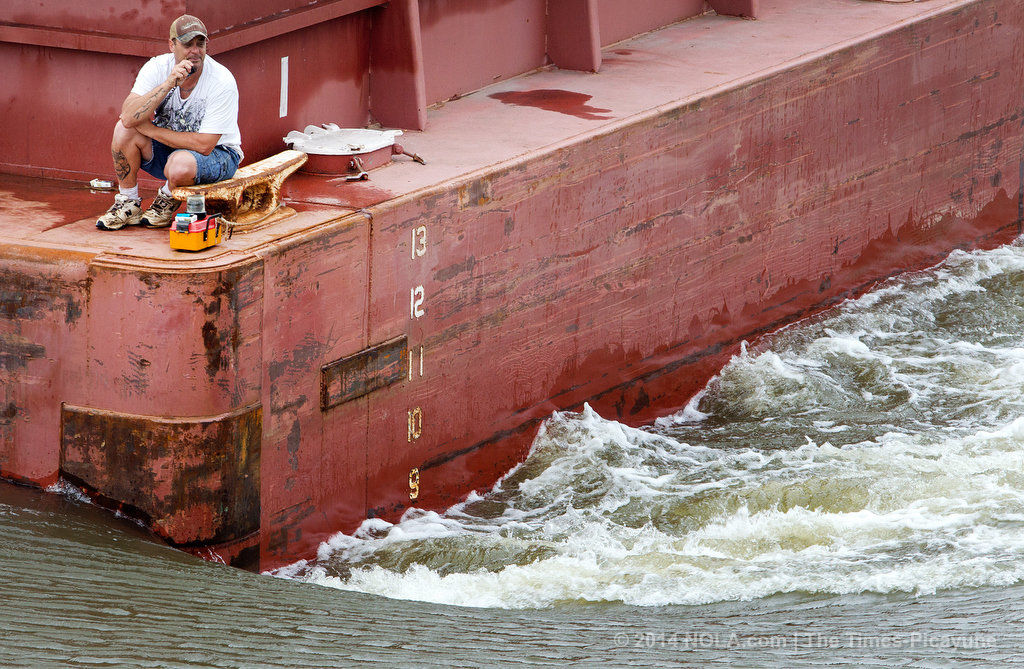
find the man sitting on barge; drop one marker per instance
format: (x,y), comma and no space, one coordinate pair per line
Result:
(179,123)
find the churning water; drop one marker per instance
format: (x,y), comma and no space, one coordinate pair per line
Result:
(879,448)
(848,491)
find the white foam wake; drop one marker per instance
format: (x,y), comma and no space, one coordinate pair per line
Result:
(879,449)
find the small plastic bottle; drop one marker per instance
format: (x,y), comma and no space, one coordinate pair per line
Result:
(196,204)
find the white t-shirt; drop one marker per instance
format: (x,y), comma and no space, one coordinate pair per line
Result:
(211,107)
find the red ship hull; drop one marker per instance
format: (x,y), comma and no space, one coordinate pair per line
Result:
(342,364)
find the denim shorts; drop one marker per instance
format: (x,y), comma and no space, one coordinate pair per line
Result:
(219,165)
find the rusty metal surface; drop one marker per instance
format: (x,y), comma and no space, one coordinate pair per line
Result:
(44,296)
(360,374)
(624,270)
(316,293)
(614,256)
(253,194)
(172,343)
(193,481)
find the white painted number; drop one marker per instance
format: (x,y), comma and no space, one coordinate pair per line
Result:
(414,484)
(416,296)
(419,241)
(415,424)
(411,366)
(283,111)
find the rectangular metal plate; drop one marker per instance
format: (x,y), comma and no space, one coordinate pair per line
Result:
(193,480)
(360,374)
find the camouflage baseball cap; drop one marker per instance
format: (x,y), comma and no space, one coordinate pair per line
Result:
(186,28)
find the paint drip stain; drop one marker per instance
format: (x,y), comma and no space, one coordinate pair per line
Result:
(552,99)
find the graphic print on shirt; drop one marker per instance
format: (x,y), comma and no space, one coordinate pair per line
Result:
(186,118)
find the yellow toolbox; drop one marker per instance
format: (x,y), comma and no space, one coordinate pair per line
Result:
(190,233)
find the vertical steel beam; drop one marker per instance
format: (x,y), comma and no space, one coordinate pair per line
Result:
(398,97)
(574,35)
(745,8)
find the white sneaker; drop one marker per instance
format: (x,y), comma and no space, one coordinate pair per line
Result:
(125,211)
(161,212)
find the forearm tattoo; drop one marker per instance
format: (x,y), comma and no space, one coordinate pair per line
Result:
(121,166)
(146,107)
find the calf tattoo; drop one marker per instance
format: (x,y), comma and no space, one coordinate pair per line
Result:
(121,166)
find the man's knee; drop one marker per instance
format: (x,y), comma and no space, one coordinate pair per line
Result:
(181,168)
(123,135)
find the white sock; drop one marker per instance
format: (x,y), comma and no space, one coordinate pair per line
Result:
(132,192)
(165,190)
